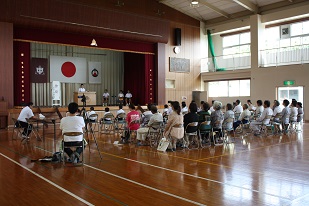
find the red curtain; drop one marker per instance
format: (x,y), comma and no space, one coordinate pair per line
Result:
(21,72)
(139,78)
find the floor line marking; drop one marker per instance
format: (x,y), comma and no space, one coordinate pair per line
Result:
(48,181)
(143,185)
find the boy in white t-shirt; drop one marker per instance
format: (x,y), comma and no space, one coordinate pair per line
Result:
(105,98)
(72,123)
(26,112)
(128,97)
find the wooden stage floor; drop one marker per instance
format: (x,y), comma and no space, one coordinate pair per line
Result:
(270,170)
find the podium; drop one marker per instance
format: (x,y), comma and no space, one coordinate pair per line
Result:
(91,98)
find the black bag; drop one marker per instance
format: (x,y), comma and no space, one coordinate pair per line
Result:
(57,157)
(126,136)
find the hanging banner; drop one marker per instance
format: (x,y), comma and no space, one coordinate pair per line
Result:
(38,70)
(94,72)
(68,69)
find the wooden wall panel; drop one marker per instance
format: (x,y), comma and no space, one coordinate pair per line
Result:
(185,83)
(6,63)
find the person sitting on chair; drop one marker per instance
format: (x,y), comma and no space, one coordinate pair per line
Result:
(128,97)
(263,118)
(146,115)
(244,116)
(89,119)
(184,109)
(105,97)
(300,112)
(217,117)
(81,89)
(72,123)
(204,112)
(120,97)
(107,113)
(133,118)
(238,108)
(191,116)
(120,111)
(228,114)
(156,117)
(26,113)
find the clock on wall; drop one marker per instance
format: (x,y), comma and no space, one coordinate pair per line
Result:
(176,50)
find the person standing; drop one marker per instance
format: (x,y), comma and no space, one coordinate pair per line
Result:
(26,113)
(128,97)
(82,89)
(105,98)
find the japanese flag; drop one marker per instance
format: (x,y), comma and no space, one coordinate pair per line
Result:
(94,72)
(68,69)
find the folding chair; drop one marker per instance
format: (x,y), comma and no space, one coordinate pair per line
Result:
(216,134)
(17,128)
(107,123)
(243,126)
(176,134)
(277,122)
(92,131)
(120,123)
(154,134)
(131,140)
(93,122)
(266,129)
(35,130)
(77,145)
(205,131)
(192,137)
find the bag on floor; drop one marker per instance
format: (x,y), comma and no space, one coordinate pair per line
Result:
(57,157)
(163,144)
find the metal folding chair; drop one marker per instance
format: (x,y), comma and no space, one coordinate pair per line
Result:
(107,123)
(226,131)
(17,129)
(75,145)
(204,132)
(192,137)
(154,134)
(120,123)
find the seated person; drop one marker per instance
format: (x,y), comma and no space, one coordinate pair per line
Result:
(263,119)
(165,109)
(120,97)
(277,110)
(26,113)
(204,112)
(91,119)
(105,97)
(294,111)
(228,114)
(259,109)
(120,111)
(175,118)
(184,109)
(201,107)
(244,116)
(146,115)
(133,118)
(251,107)
(107,114)
(128,97)
(211,109)
(72,123)
(191,116)
(286,112)
(300,112)
(217,117)
(238,108)
(156,117)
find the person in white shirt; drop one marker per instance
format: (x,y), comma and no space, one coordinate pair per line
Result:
(120,110)
(106,114)
(146,115)
(251,106)
(238,108)
(72,123)
(105,97)
(201,107)
(277,110)
(26,113)
(286,111)
(184,109)
(300,112)
(82,89)
(263,119)
(244,116)
(128,97)
(294,111)
(211,109)
(156,117)
(259,109)
(120,97)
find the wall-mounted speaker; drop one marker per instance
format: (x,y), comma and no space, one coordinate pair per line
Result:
(177,37)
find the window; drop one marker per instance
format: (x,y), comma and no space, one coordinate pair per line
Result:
(290,93)
(232,88)
(236,44)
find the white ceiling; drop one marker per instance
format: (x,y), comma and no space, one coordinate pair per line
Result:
(212,9)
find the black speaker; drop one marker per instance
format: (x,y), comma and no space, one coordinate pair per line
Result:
(177,37)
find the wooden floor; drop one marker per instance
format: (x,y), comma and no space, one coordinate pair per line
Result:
(270,170)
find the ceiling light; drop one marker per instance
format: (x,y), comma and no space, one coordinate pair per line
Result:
(194,3)
(93,43)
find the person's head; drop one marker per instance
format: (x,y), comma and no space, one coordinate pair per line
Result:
(286,102)
(91,108)
(176,107)
(237,102)
(294,103)
(217,105)
(149,106)
(212,102)
(82,85)
(105,90)
(294,100)
(153,109)
(299,105)
(202,102)
(276,103)
(120,91)
(120,106)
(131,106)
(73,107)
(30,104)
(266,103)
(183,104)
(193,107)
(259,102)
(206,106)
(249,102)
(245,106)
(229,106)
(165,106)
(128,91)
(106,109)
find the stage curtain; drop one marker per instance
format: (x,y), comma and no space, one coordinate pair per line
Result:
(21,72)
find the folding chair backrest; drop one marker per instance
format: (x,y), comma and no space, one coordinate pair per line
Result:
(93,117)
(247,117)
(193,125)
(237,115)
(205,126)
(121,116)
(15,121)
(109,115)
(156,125)
(72,134)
